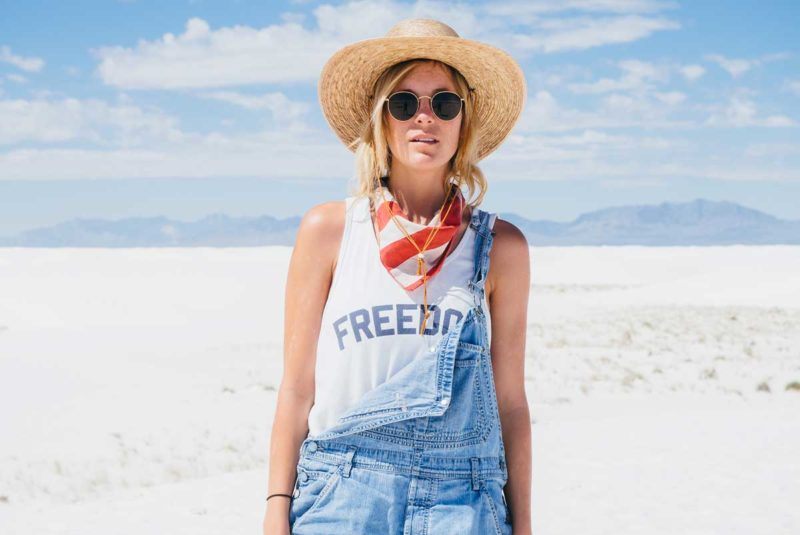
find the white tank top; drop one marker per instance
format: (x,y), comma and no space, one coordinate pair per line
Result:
(370,324)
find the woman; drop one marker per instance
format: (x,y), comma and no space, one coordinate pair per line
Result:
(402,406)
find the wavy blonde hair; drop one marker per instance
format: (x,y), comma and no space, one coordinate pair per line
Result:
(372,156)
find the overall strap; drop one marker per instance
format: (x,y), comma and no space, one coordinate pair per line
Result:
(482,222)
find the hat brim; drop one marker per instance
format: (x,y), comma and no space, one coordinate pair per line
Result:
(348,78)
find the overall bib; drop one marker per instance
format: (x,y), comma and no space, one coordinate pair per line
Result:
(421,454)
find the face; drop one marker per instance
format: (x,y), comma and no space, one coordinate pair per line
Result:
(423,80)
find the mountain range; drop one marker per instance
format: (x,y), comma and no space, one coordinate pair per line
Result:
(699,222)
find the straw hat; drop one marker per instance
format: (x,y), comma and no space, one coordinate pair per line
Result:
(348,78)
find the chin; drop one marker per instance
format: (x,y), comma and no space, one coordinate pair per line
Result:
(425,163)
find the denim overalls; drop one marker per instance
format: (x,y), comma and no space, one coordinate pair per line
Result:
(421,453)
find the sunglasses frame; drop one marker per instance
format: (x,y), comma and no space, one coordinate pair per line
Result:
(460,109)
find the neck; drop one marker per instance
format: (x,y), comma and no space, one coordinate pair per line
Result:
(419,193)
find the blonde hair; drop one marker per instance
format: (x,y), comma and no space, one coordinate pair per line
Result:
(372,157)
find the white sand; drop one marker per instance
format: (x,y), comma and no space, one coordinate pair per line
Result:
(137,388)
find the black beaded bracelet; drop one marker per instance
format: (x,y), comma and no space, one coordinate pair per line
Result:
(279,494)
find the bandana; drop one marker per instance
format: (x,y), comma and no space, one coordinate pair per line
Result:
(411,252)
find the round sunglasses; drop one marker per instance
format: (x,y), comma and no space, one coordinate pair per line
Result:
(403,105)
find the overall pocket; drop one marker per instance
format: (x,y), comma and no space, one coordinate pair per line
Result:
(492,490)
(466,420)
(315,480)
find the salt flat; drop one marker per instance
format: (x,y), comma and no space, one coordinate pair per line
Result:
(137,388)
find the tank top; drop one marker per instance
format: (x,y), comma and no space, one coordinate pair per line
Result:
(370,324)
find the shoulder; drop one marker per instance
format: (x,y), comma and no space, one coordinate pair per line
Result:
(507,231)
(509,258)
(321,230)
(322,222)
(510,250)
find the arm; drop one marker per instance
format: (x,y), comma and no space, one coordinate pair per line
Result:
(309,278)
(507,290)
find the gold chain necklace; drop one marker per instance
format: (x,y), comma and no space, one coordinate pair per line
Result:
(420,252)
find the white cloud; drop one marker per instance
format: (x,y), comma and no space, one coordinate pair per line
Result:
(741,111)
(16,78)
(772,150)
(266,154)
(202,57)
(124,140)
(360,19)
(579,33)
(557,147)
(543,113)
(738,66)
(588,153)
(30,64)
(624,160)
(792,86)
(692,72)
(778,121)
(298,18)
(277,103)
(733,171)
(527,8)
(60,120)
(735,67)
(672,98)
(637,75)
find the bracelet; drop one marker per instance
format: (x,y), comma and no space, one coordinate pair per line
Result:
(279,494)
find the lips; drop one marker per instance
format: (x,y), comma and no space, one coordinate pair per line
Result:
(430,140)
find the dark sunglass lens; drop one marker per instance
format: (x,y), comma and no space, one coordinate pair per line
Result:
(446,105)
(403,106)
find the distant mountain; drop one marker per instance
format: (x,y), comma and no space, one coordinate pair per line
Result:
(215,230)
(700,222)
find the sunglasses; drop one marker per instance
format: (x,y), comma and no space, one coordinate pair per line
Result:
(403,105)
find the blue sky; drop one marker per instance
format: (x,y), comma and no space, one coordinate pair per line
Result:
(114,109)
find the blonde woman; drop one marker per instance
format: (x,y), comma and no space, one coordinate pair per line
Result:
(402,407)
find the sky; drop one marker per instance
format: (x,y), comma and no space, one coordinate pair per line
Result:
(114,109)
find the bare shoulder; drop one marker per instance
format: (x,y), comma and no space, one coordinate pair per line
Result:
(321,229)
(323,221)
(319,235)
(509,258)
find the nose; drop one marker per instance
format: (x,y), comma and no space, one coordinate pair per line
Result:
(424,113)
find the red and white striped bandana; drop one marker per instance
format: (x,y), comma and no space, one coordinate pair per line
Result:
(398,254)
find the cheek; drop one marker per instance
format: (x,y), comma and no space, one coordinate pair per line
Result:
(395,132)
(454,132)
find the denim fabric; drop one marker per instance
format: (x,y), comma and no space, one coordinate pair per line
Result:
(423,452)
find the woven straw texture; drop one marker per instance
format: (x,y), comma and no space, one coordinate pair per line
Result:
(348,78)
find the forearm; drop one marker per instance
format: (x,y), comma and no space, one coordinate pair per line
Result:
(289,430)
(516,426)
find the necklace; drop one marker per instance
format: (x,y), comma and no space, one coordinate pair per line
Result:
(443,212)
